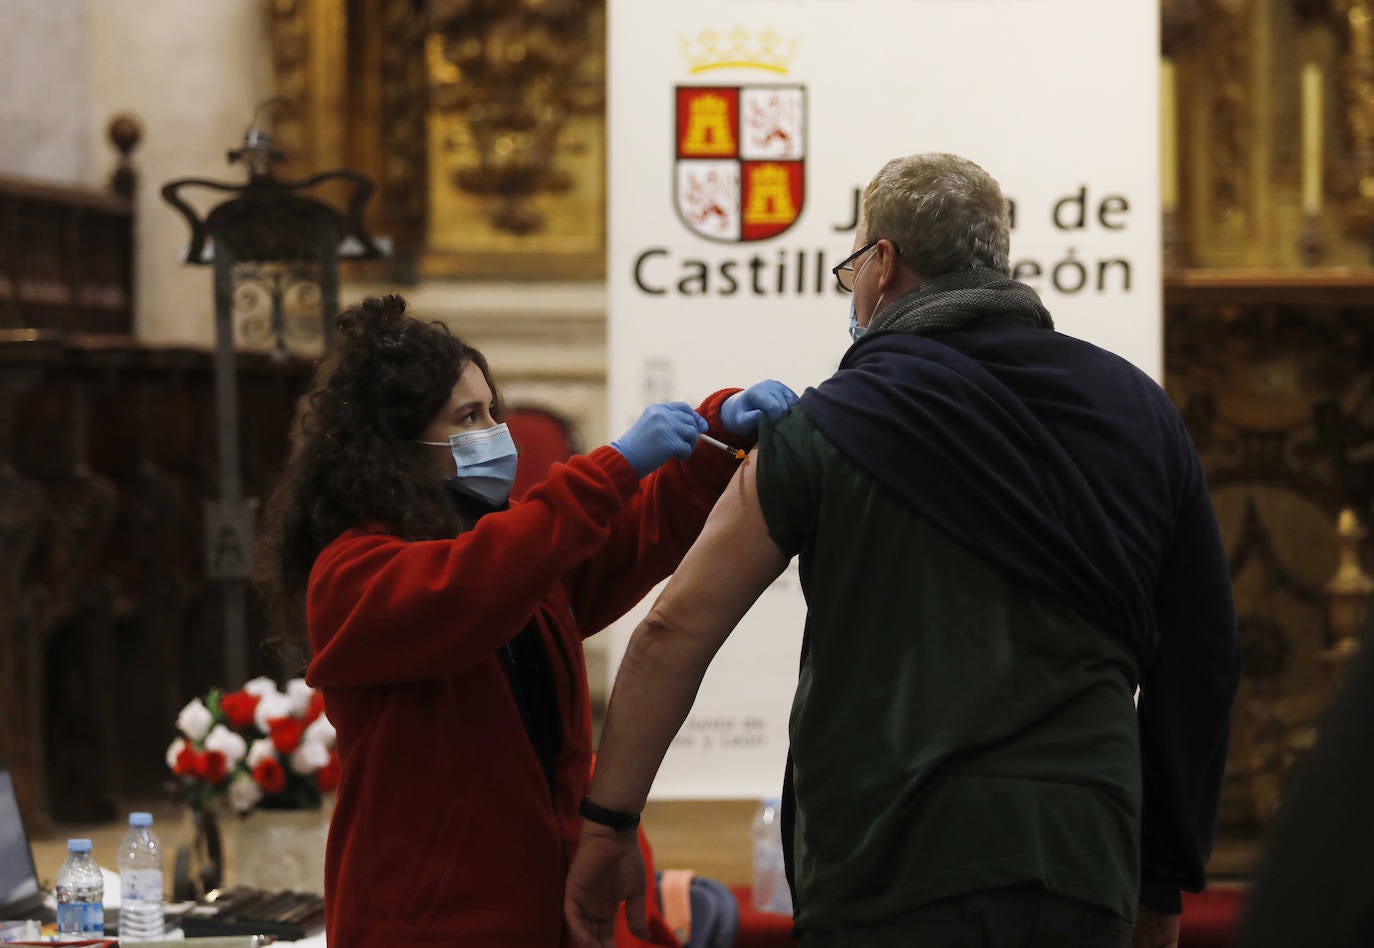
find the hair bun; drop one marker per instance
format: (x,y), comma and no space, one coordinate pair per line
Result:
(393,304)
(373,321)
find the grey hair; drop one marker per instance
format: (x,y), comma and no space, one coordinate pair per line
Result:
(943,212)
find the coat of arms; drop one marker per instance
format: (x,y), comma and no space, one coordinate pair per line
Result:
(741,152)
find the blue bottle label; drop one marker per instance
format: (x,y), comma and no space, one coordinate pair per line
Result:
(86,918)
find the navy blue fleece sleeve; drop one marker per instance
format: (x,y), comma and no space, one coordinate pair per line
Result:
(1186,692)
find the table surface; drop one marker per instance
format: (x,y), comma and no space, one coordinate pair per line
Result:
(710,837)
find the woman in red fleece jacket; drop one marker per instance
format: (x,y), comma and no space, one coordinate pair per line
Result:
(445,624)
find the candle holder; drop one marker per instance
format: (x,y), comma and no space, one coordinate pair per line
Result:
(1311,243)
(1347,597)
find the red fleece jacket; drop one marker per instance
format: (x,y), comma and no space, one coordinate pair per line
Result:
(445,832)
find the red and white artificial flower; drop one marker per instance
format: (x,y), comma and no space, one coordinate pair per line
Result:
(195,720)
(259,745)
(231,745)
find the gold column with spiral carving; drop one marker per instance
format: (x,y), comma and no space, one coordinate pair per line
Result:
(1356,177)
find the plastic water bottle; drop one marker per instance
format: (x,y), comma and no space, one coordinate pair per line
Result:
(140,882)
(770,874)
(80,892)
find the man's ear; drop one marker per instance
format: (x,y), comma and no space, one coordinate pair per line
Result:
(890,264)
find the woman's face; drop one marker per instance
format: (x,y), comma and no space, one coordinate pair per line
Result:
(469,408)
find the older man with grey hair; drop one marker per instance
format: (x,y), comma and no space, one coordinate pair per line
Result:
(1003,530)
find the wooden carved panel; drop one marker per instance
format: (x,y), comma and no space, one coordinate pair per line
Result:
(66,259)
(1276,385)
(25,602)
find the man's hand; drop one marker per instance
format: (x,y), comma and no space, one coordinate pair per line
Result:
(607,870)
(1155,929)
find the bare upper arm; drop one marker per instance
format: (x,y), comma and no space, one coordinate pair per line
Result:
(732,562)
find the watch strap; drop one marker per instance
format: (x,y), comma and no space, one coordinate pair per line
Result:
(613,819)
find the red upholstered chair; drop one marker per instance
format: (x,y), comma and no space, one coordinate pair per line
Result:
(757,929)
(543,439)
(1211,917)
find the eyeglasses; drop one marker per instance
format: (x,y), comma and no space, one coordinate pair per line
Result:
(844,270)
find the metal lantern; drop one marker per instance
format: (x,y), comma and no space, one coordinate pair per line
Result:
(275,248)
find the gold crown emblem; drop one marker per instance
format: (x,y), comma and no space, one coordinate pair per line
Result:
(739,49)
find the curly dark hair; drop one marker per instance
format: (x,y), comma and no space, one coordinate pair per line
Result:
(358,461)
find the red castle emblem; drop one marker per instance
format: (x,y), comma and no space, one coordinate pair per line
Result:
(741,154)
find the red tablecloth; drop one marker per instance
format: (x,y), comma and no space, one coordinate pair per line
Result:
(1209,921)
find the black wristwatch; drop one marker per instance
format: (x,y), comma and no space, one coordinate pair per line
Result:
(613,819)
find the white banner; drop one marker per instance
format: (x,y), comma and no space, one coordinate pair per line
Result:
(741,135)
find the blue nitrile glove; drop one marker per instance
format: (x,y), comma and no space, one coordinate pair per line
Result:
(666,430)
(741,412)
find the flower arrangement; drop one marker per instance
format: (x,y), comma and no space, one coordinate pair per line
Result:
(258,747)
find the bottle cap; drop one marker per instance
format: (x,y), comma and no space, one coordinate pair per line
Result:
(140,819)
(78,845)
(774,802)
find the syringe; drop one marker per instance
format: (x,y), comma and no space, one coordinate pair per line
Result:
(737,453)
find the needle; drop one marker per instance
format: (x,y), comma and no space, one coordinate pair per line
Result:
(736,453)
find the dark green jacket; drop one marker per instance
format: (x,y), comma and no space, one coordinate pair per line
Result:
(951,732)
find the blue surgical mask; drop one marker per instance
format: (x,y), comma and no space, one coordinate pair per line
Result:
(485,461)
(856,331)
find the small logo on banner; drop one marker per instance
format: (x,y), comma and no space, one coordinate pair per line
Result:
(741,159)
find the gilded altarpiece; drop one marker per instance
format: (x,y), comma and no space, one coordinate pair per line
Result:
(1238,128)
(482,122)
(1276,383)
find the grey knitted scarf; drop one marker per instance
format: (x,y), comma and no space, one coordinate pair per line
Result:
(958,299)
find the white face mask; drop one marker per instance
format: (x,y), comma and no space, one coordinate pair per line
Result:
(485,461)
